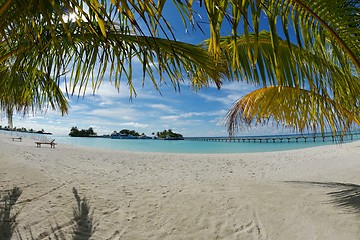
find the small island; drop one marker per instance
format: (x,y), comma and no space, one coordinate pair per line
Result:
(75,132)
(169,135)
(126,134)
(24,130)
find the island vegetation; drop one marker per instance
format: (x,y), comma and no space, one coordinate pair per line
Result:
(75,132)
(126,134)
(169,135)
(24,130)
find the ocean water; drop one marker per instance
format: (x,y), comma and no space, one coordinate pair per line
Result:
(184,146)
(190,146)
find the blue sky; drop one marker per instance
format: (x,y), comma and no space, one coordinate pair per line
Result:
(189,113)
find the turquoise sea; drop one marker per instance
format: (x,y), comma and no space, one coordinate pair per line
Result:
(184,146)
(188,146)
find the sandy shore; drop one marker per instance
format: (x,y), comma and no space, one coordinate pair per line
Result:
(72,193)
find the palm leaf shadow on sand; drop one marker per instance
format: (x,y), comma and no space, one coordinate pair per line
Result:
(84,224)
(7,218)
(344,195)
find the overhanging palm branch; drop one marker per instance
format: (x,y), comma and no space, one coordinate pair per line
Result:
(172,60)
(310,21)
(106,37)
(293,107)
(301,68)
(313,92)
(29,90)
(36,38)
(319,58)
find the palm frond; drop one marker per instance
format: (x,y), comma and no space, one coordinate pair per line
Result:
(106,37)
(318,80)
(300,68)
(313,23)
(29,90)
(336,20)
(295,108)
(323,62)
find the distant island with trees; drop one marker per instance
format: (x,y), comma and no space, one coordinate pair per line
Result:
(75,132)
(24,130)
(126,134)
(169,135)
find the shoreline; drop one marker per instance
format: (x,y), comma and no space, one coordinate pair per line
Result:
(138,195)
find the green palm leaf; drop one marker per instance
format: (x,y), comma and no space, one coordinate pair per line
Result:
(322,63)
(334,23)
(107,37)
(29,90)
(309,83)
(42,47)
(293,107)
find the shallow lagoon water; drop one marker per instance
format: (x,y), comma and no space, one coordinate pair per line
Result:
(188,146)
(183,146)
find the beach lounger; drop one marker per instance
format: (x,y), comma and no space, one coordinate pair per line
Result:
(52,143)
(17,138)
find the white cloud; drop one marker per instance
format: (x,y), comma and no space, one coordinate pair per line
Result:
(170,118)
(228,94)
(200,114)
(114,113)
(239,86)
(134,124)
(162,107)
(222,99)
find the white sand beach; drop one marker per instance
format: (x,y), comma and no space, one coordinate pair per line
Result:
(82,193)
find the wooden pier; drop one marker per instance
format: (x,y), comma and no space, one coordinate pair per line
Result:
(281,138)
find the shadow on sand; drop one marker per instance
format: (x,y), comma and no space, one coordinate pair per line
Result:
(344,195)
(8,222)
(83,224)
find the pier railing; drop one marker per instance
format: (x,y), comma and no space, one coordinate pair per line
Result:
(338,137)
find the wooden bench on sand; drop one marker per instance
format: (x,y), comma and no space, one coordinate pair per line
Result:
(52,143)
(17,138)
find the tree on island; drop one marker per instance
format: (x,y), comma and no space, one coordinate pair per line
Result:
(129,132)
(169,134)
(75,132)
(23,129)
